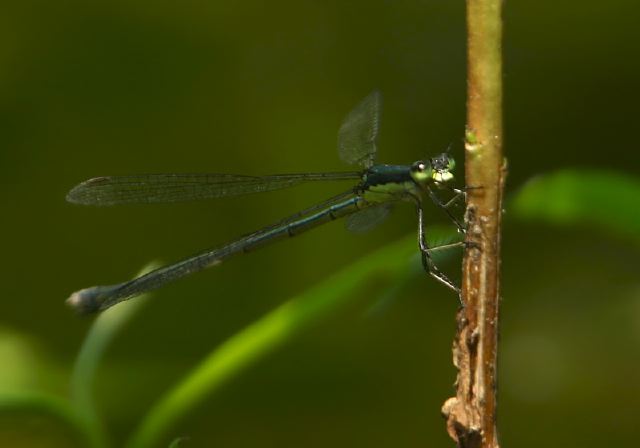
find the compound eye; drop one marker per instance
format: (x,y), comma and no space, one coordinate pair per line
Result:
(439,163)
(451,164)
(419,167)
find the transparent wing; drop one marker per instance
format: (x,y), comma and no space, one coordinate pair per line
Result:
(367,219)
(159,188)
(357,137)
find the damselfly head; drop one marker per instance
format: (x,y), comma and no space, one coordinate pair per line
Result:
(441,168)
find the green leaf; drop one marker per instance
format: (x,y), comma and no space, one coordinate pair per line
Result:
(606,200)
(104,329)
(53,407)
(178,442)
(260,338)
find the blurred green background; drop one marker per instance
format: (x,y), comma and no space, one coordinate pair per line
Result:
(125,87)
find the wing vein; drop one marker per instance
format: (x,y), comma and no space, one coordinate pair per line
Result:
(161,188)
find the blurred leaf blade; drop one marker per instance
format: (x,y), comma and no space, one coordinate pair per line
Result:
(606,200)
(104,329)
(267,334)
(52,406)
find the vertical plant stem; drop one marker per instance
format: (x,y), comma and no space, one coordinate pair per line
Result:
(471,414)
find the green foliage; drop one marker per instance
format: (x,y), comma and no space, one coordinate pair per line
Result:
(36,403)
(80,413)
(104,329)
(226,361)
(606,200)
(268,333)
(572,197)
(176,443)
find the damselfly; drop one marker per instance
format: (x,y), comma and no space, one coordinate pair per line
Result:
(364,205)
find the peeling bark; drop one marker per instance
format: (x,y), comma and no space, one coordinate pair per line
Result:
(471,414)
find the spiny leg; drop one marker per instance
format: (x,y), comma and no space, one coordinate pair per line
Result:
(427,261)
(457,194)
(448,246)
(445,206)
